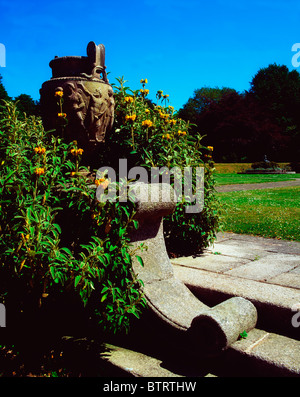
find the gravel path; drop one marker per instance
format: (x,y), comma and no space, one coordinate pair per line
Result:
(252,186)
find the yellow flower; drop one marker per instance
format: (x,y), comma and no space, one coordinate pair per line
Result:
(99,181)
(76,152)
(102,182)
(166,136)
(144,92)
(39,150)
(181,132)
(62,115)
(128,99)
(147,111)
(210,148)
(59,93)
(147,123)
(144,81)
(25,238)
(130,117)
(172,121)
(39,171)
(164,115)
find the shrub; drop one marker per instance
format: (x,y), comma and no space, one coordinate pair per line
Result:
(295,166)
(59,246)
(56,241)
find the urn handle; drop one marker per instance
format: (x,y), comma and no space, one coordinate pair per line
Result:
(96,55)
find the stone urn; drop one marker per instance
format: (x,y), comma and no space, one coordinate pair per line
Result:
(77,102)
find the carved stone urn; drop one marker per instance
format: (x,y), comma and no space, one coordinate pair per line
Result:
(77,102)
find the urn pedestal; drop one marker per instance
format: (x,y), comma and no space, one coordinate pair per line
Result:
(77,102)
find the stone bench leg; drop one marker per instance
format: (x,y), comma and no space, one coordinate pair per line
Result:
(208,330)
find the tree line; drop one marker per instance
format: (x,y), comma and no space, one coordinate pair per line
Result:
(247,126)
(24,102)
(242,127)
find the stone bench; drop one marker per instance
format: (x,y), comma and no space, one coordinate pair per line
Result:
(206,330)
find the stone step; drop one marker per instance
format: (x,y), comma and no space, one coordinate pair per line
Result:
(259,354)
(275,304)
(262,354)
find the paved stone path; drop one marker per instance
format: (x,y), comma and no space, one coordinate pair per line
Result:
(251,186)
(264,260)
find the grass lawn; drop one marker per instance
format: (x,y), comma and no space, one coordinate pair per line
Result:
(271,213)
(233,178)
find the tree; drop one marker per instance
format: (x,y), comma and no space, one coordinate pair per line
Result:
(245,127)
(239,130)
(202,99)
(278,90)
(3,93)
(25,104)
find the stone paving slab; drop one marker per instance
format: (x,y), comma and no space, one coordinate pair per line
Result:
(266,267)
(256,242)
(270,352)
(211,262)
(250,252)
(135,363)
(290,279)
(249,257)
(250,267)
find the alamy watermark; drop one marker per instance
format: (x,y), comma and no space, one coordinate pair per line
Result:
(296,316)
(2,56)
(2,315)
(295,58)
(187,185)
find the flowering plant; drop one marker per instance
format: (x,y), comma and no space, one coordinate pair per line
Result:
(152,135)
(57,242)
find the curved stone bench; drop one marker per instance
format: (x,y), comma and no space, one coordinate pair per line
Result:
(207,330)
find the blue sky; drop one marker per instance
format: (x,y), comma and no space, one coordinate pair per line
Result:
(178,45)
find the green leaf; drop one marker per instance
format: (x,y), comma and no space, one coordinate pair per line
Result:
(77,280)
(243,335)
(140,260)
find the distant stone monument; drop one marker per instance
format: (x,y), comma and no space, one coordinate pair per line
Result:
(78,100)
